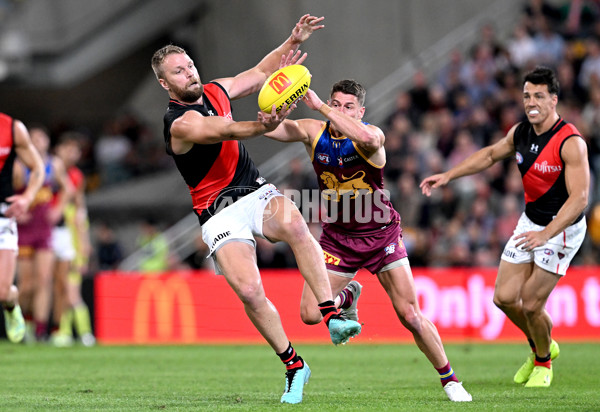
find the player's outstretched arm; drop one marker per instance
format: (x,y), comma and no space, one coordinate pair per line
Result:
(251,80)
(370,138)
(192,127)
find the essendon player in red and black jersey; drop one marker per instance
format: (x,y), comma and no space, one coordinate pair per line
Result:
(552,158)
(216,174)
(229,196)
(543,169)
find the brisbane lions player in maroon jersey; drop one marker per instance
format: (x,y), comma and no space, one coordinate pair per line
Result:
(232,201)
(361,228)
(552,158)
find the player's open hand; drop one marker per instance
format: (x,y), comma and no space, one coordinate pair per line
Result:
(292,58)
(530,240)
(18,206)
(274,119)
(305,27)
(312,100)
(433,182)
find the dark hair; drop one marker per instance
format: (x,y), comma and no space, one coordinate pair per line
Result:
(543,75)
(350,87)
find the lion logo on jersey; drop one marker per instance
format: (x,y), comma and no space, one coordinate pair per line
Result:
(354,184)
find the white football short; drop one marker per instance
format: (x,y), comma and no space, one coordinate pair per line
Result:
(555,256)
(238,222)
(9,237)
(62,244)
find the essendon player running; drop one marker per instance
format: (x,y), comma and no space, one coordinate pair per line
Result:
(552,158)
(232,201)
(15,143)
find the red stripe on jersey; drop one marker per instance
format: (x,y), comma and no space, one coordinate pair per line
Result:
(218,177)
(548,165)
(6,138)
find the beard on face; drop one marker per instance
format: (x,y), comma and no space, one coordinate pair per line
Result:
(189,96)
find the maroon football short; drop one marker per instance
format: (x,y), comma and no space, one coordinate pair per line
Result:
(348,252)
(36,233)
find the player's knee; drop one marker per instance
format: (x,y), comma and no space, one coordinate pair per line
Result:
(296,230)
(310,317)
(250,293)
(504,301)
(411,319)
(531,308)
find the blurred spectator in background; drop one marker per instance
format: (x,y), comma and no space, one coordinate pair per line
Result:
(521,47)
(111,151)
(549,44)
(154,247)
(108,249)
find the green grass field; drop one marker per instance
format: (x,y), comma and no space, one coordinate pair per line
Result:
(251,378)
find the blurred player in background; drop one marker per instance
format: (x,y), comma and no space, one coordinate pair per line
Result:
(361,228)
(36,257)
(233,202)
(15,143)
(552,158)
(71,244)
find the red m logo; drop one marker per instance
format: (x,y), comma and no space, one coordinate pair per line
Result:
(280,83)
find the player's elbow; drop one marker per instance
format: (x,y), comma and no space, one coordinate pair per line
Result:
(583,199)
(370,140)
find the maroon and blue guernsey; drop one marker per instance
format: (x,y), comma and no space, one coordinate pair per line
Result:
(216,174)
(542,169)
(351,185)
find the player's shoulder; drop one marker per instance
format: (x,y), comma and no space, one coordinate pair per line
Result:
(313,128)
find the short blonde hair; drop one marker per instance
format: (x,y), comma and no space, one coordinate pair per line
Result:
(161,54)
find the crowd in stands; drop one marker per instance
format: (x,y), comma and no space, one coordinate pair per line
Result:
(471,102)
(125,148)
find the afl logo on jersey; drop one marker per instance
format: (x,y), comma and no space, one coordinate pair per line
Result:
(323,158)
(519,158)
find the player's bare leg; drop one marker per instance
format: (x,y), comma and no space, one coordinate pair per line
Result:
(238,263)
(399,285)
(42,300)
(309,311)
(283,221)
(535,295)
(9,298)
(508,292)
(521,293)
